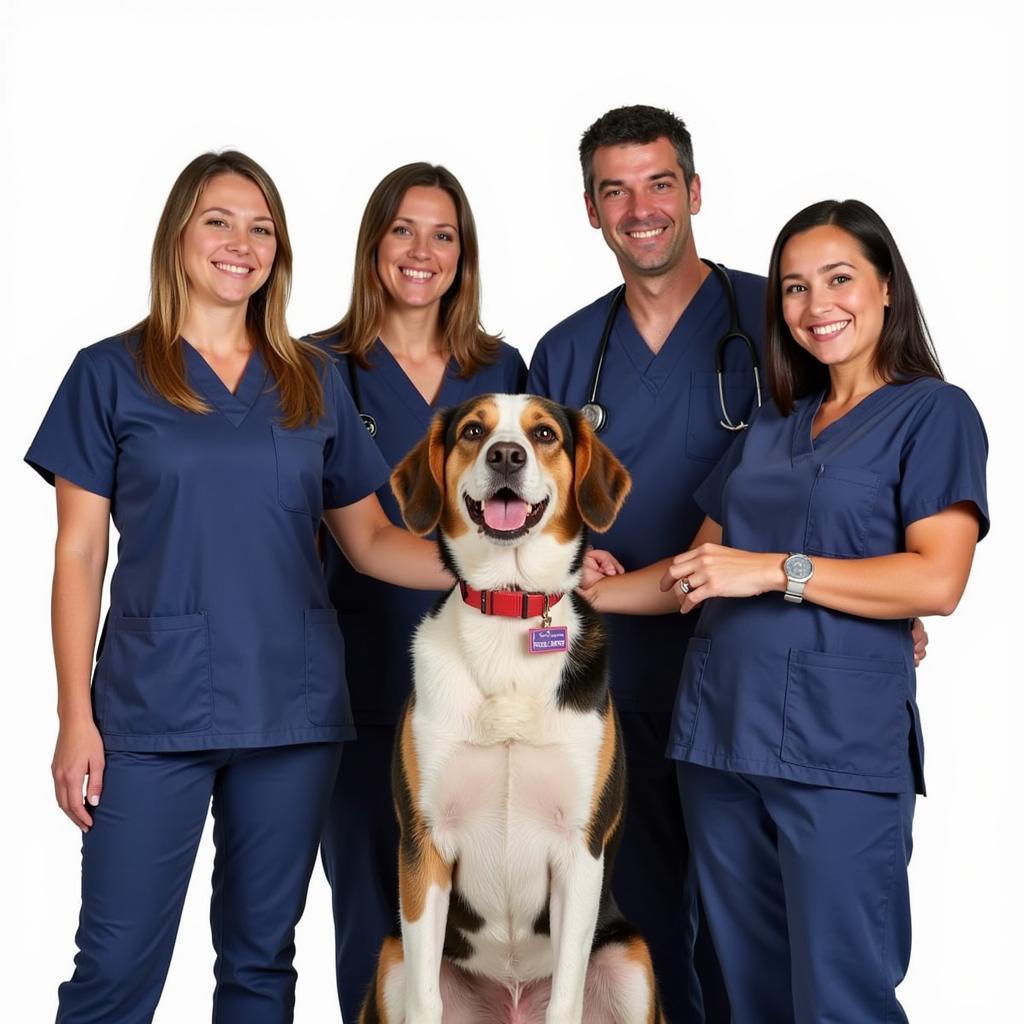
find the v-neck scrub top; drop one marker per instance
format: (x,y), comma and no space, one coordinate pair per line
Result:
(663,423)
(378,619)
(220,631)
(800,691)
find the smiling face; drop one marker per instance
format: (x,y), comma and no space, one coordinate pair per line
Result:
(643,206)
(229,243)
(419,254)
(516,473)
(833,299)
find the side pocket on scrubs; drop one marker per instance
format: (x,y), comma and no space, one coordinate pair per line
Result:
(842,499)
(154,676)
(300,470)
(684,719)
(846,714)
(326,690)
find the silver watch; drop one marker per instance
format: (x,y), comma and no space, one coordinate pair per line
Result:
(798,569)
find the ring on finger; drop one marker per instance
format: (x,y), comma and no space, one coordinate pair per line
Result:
(684,584)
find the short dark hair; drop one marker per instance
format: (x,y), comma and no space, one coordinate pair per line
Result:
(905,351)
(638,126)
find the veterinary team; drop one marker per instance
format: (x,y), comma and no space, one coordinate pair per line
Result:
(202,599)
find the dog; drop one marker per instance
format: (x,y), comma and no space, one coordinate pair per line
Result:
(508,774)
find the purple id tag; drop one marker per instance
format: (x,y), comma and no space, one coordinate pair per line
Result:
(549,639)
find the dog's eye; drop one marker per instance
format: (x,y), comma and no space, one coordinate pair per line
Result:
(472,432)
(545,434)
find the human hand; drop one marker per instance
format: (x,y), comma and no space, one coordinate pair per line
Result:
(712,570)
(596,565)
(78,754)
(920,637)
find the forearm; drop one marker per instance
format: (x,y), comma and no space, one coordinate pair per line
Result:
(633,593)
(75,611)
(900,586)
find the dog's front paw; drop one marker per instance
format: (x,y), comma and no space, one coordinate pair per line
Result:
(424,1011)
(510,718)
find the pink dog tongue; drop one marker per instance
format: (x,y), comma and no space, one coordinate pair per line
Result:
(503,515)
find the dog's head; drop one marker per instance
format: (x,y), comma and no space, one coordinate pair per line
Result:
(512,482)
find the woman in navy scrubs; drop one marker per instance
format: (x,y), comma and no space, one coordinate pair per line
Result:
(410,343)
(217,443)
(852,504)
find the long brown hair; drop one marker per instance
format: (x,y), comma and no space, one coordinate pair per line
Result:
(905,351)
(292,364)
(462,334)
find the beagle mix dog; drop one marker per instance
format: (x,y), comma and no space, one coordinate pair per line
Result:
(509,774)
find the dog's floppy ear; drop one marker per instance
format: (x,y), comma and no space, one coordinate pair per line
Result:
(418,480)
(601,481)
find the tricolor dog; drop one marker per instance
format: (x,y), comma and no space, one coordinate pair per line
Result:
(509,774)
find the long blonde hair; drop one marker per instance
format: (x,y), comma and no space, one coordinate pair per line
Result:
(292,364)
(462,334)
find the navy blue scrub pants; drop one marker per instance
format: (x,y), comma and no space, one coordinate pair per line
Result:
(652,881)
(268,808)
(805,890)
(359,848)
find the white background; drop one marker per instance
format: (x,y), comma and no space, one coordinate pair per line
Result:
(906,106)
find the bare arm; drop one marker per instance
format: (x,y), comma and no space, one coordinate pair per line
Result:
(376,547)
(80,561)
(637,592)
(927,579)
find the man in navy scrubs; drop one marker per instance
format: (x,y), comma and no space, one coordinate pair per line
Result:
(660,394)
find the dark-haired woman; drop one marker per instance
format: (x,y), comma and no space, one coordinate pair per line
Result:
(852,504)
(410,343)
(217,443)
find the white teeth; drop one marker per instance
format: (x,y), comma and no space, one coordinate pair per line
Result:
(418,275)
(645,234)
(827,329)
(231,268)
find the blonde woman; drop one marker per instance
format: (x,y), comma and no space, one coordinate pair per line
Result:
(410,342)
(218,444)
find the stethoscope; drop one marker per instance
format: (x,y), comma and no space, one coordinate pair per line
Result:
(353,379)
(596,414)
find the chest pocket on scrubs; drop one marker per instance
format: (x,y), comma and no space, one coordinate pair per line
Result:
(842,500)
(300,470)
(327,700)
(154,676)
(706,438)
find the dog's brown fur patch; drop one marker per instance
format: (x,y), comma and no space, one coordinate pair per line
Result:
(637,951)
(420,865)
(375,1009)
(609,785)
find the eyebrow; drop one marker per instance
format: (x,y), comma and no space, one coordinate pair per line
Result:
(409,220)
(823,269)
(656,176)
(230,213)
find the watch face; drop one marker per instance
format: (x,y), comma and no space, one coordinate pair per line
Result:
(798,567)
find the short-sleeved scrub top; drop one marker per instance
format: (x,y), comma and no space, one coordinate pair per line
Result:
(664,424)
(220,631)
(383,617)
(799,691)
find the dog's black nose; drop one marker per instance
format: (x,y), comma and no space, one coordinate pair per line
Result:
(506,457)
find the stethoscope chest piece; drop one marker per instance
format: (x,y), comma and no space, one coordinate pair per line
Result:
(370,423)
(595,414)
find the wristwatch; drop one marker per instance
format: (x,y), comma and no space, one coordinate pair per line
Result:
(798,569)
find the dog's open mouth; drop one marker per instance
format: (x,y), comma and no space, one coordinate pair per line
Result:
(505,515)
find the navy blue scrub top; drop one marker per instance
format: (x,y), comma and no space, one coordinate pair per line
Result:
(800,691)
(378,619)
(663,423)
(220,631)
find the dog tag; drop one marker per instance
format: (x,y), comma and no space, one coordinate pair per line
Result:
(549,639)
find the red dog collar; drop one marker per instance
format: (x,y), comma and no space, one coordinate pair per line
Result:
(514,604)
